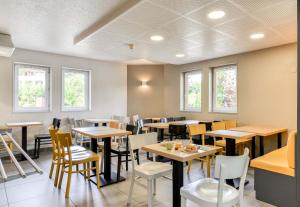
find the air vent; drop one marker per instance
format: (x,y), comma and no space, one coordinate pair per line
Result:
(6,46)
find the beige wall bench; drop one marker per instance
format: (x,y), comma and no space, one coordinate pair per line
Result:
(274,175)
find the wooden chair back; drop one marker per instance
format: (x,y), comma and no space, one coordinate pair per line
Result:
(229,124)
(197,129)
(220,125)
(54,141)
(114,124)
(64,143)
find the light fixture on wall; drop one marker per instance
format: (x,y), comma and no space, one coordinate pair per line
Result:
(6,46)
(144,83)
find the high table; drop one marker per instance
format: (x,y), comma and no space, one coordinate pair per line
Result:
(231,137)
(24,126)
(178,159)
(105,133)
(263,132)
(103,122)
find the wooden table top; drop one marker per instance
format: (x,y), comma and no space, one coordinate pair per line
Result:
(100,121)
(179,155)
(260,131)
(166,125)
(101,132)
(22,124)
(230,134)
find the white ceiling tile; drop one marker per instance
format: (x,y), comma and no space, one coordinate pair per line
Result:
(278,13)
(252,6)
(183,27)
(182,6)
(149,15)
(231,11)
(207,36)
(125,28)
(288,30)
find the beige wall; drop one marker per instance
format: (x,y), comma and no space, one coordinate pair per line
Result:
(266,87)
(109,87)
(146,101)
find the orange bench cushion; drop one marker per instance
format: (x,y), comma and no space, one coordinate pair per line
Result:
(275,161)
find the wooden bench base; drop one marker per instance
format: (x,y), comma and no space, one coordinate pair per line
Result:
(274,188)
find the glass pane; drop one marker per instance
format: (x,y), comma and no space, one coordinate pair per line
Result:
(193,91)
(225,88)
(74,89)
(31,88)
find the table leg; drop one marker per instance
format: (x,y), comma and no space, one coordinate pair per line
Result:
(253,150)
(261,146)
(279,140)
(177,182)
(160,135)
(109,177)
(24,140)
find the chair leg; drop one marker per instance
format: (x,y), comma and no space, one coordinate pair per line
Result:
(68,182)
(97,174)
(35,147)
(150,191)
(202,164)
(131,189)
(119,166)
(57,173)
(208,166)
(137,157)
(189,166)
(84,170)
(183,201)
(154,187)
(39,147)
(61,175)
(51,170)
(88,170)
(77,168)
(126,157)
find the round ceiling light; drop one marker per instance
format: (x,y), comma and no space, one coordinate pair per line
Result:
(216,14)
(180,55)
(157,38)
(256,36)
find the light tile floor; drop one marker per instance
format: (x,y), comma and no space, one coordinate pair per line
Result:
(37,190)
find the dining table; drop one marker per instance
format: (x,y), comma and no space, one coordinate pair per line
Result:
(231,137)
(178,158)
(104,133)
(263,132)
(103,122)
(24,135)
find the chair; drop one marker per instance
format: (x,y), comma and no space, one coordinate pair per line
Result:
(3,131)
(44,139)
(69,159)
(150,170)
(141,127)
(181,118)
(199,130)
(177,130)
(163,120)
(229,124)
(210,192)
(56,160)
(135,118)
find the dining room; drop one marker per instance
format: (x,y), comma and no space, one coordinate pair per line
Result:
(163,103)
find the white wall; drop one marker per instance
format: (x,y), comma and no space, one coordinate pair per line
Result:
(109,88)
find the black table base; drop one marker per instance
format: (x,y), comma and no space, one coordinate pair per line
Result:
(177,182)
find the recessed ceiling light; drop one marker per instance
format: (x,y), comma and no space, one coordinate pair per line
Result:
(157,38)
(256,36)
(180,55)
(216,14)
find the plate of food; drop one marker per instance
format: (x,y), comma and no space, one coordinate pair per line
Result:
(191,148)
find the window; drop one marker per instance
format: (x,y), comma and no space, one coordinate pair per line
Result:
(31,88)
(192,91)
(75,90)
(224,89)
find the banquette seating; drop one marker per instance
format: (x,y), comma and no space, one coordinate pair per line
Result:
(274,175)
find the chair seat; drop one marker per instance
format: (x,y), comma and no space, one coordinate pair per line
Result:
(205,193)
(82,156)
(153,169)
(42,136)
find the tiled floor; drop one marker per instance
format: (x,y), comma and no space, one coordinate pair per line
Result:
(37,190)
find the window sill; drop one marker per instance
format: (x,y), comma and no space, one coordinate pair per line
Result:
(223,112)
(190,111)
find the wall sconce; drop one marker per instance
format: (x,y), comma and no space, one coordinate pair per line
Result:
(144,83)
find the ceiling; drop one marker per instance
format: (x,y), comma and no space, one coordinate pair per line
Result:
(105,27)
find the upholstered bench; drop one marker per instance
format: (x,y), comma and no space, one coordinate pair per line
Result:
(274,175)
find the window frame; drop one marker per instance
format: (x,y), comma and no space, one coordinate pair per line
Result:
(88,103)
(48,108)
(183,91)
(213,93)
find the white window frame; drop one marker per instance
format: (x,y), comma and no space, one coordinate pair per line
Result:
(213,92)
(87,106)
(16,107)
(184,95)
